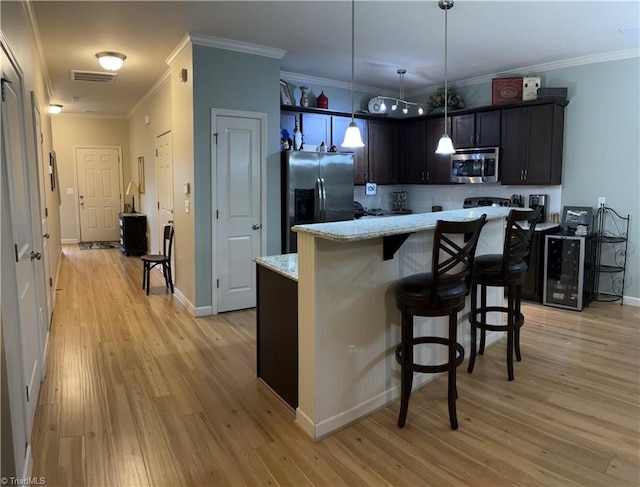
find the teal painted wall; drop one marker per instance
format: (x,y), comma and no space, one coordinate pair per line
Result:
(231,80)
(602,141)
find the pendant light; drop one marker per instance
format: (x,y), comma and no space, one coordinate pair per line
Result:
(352,137)
(445,145)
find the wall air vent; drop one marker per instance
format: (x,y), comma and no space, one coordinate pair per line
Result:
(93,76)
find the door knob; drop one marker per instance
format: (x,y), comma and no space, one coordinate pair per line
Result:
(46,235)
(256,226)
(35,255)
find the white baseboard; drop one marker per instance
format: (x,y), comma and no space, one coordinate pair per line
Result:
(330,425)
(183,299)
(201,311)
(69,241)
(631,301)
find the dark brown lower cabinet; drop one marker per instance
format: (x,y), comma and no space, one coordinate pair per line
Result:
(277,333)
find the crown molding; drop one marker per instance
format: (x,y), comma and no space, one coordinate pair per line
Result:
(106,116)
(239,46)
(304,79)
(27,5)
(226,44)
(538,68)
(149,93)
(179,50)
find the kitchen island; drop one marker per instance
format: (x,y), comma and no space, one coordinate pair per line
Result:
(348,324)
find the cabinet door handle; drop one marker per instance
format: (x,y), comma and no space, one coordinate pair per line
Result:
(423,176)
(526,174)
(471,139)
(428,175)
(365,177)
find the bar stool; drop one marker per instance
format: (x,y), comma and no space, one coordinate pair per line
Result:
(506,270)
(441,292)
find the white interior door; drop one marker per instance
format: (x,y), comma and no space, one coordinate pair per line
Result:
(99,193)
(239,230)
(164,171)
(45,282)
(16,172)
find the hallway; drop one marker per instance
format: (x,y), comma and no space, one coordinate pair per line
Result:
(138,392)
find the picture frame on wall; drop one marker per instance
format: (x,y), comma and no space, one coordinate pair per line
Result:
(141,174)
(285,94)
(52,170)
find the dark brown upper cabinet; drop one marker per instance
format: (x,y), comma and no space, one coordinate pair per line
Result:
(480,129)
(383,143)
(532,145)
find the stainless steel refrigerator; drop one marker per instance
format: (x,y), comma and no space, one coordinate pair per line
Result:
(316,187)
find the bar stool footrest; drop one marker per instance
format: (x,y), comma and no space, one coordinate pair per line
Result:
(473,321)
(431,369)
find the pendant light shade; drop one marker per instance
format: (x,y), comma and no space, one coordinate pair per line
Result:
(111,61)
(445,145)
(352,137)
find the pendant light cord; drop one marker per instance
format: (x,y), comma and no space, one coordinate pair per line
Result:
(353,47)
(446,95)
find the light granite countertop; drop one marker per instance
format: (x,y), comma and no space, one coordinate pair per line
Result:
(354,230)
(286,264)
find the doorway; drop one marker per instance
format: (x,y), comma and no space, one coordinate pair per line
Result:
(164,168)
(238,205)
(43,268)
(99,193)
(19,283)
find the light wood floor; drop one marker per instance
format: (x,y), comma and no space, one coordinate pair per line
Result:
(140,393)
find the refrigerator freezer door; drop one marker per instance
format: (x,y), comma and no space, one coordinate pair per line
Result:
(336,173)
(316,187)
(300,173)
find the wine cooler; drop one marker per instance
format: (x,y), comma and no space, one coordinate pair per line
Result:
(568,271)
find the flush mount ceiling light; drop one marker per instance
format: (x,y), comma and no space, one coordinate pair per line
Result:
(445,146)
(55,108)
(352,137)
(379,105)
(111,61)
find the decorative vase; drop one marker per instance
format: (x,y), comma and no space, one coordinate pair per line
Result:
(297,137)
(322,101)
(304,98)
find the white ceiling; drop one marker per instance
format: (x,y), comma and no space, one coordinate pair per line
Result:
(485,38)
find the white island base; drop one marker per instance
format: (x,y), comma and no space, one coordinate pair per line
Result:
(348,323)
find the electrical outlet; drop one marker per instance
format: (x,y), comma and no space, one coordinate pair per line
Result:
(601,201)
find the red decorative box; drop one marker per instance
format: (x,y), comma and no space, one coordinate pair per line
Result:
(506,90)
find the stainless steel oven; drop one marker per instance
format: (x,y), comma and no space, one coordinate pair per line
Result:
(474,166)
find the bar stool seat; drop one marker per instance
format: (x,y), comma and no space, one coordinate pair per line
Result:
(507,270)
(441,292)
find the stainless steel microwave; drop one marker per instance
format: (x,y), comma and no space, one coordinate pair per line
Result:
(474,166)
